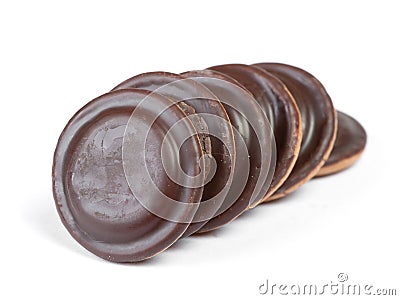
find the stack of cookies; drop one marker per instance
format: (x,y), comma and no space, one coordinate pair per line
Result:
(164,156)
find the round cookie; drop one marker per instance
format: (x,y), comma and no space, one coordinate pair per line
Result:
(216,118)
(350,143)
(282,112)
(319,123)
(90,189)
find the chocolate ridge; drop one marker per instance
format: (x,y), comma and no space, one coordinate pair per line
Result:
(319,123)
(281,111)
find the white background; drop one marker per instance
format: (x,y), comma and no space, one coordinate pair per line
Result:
(55,57)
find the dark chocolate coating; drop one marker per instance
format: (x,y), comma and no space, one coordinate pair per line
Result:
(90,189)
(151,81)
(254,113)
(319,123)
(350,142)
(282,113)
(206,104)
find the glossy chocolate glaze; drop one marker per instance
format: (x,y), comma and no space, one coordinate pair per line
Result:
(254,113)
(282,113)
(154,80)
(90,189)
(350,142)
(208,104)
(319,123)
